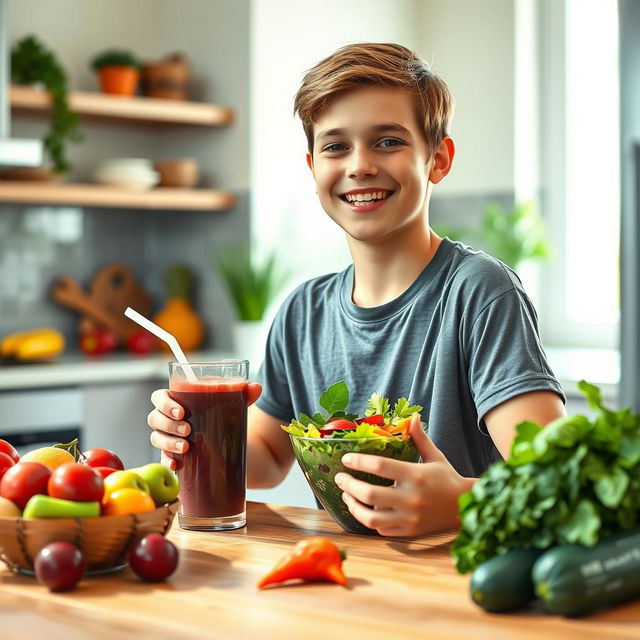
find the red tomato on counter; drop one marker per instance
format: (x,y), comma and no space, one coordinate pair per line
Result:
(141,342)
(98,342)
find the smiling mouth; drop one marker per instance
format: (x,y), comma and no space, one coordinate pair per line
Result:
(364,199)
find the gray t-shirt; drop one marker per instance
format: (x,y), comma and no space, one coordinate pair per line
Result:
(459,341)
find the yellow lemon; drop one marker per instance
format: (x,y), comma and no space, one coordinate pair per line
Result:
(49,456)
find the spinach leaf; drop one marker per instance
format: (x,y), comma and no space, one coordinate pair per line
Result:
(577,480)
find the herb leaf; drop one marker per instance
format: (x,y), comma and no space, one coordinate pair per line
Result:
(403,409)
(378,404)
(335,398)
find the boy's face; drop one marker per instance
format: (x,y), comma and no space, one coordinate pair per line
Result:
(371,163)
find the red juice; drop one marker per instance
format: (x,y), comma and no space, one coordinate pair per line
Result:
(213,471)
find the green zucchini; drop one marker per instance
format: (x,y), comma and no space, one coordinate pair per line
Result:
(574,580)
(504,582)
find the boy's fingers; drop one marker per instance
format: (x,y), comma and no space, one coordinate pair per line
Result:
(168,460)
(428,451)
(162,401)
(397,470)
(366,493)
(159,421)
(371,518)
(253,392)
(168,443)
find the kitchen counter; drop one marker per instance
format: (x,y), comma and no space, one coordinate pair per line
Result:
(599,366)
(78,369)
(397,589)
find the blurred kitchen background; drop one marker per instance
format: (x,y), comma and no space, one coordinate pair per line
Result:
(546,126)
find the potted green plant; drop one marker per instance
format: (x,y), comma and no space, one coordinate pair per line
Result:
(118,71)
(252,287)
(32,63)
(511,235)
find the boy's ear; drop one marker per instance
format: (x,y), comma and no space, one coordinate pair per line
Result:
(310,162)
(442,160)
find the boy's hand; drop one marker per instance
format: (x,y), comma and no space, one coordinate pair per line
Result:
(423,499)
(170,430)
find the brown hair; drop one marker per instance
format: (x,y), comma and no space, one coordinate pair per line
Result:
(370,63)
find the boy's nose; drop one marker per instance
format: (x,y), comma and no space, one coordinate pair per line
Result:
(361,164)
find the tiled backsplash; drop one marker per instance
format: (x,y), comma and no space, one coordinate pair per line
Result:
(38,244)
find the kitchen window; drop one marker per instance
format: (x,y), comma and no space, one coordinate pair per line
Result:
(579,171)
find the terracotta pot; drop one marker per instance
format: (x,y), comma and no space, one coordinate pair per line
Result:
(168,78)
(181,172)
(120,81)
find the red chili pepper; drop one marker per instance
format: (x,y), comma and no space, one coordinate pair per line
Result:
(376,418)
(311,559)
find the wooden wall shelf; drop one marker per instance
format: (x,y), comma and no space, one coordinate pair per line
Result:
(89,195)
(137,109)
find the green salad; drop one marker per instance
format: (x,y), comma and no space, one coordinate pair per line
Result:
(379,419)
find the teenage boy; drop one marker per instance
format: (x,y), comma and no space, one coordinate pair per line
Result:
(416,315)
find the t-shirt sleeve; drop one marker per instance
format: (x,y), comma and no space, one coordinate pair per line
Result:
(272,375)
(504,353)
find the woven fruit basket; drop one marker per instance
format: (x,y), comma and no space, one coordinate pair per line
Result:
(104,541)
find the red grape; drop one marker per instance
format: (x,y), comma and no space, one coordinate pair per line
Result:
(59,566)
(153,557)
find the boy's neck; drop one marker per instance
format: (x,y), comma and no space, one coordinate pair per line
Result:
(384,271)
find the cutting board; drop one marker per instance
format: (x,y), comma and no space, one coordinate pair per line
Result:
(112,289)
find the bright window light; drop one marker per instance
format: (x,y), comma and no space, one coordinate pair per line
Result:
(592,195)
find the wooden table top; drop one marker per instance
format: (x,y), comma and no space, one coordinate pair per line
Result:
(397,589)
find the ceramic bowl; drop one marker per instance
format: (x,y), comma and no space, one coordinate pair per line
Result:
(321,458)
(178,172)
(131,173)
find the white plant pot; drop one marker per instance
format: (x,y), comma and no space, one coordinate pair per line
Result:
(249,341)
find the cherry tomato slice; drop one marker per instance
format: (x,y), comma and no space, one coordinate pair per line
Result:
(376,419)
(337,425)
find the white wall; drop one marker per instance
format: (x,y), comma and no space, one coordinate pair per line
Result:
(471,45)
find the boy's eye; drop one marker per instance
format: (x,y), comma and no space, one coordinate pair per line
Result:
(335,146)
(390,142)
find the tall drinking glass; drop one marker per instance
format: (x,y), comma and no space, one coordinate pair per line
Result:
(213,471)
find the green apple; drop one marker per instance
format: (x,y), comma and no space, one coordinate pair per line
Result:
(9,509)
(163,483)
(126,479)
(40,506)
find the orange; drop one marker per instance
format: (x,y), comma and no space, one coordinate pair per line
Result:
(127,501)
(49,456)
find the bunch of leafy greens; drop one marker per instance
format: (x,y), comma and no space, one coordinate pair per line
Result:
(335,400)
(574,481)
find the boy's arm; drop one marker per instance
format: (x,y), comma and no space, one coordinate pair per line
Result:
(537,406)
(269,452)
